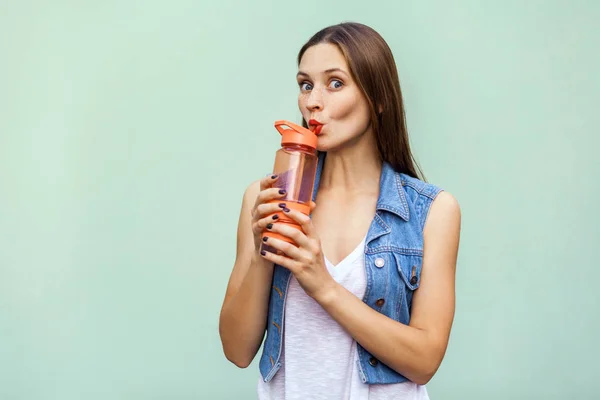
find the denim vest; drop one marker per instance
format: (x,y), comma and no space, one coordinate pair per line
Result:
(393,262)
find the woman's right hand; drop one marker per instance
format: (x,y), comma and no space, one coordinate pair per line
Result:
(262,212)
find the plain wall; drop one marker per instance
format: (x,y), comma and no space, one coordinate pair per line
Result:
(129,131)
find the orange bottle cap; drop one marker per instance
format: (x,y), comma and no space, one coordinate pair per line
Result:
(295,134)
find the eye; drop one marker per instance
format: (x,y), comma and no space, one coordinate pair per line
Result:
(305,86)
(336,84)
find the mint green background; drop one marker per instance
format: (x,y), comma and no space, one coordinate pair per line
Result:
(129,130)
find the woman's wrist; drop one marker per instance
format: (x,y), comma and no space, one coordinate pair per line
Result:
(328,294)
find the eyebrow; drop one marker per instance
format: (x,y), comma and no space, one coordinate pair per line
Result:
(327,71)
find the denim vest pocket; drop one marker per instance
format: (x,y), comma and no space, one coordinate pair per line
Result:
(409,267)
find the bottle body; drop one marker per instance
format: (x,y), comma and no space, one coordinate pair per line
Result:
(296,167)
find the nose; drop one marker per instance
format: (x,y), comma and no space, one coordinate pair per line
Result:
(315,100)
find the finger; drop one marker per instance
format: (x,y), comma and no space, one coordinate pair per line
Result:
(285,262)
(269,194)
(301,219)
(313,205)
(295,234)
(288,249)
(267,181)
(260,225)
(267,209)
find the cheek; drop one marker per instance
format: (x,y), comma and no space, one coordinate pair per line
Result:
(351,109)
(341,107)
(348,105)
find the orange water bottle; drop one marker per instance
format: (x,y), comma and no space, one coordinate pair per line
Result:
(296,167)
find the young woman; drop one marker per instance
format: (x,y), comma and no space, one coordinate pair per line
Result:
(362,306)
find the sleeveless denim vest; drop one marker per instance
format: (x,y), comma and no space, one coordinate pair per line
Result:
(393,262)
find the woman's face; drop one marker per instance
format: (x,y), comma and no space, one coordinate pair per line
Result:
(329,95)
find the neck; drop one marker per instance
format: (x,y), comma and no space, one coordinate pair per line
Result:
(352,169)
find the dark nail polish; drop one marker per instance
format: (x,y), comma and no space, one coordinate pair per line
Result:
(281,205)
(269,226)
(275,216)
(263,253)
(265,238)
(286,210)
(282,191)
(273,176)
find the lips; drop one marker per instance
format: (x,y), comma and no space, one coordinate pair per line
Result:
(315,126)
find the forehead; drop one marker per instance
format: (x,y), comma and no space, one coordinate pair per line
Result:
(321,57)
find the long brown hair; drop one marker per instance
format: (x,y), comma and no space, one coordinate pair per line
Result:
(373,67)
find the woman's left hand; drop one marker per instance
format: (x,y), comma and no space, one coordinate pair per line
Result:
(306,260)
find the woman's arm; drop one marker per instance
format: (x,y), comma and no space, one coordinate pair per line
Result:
(415,350)
(244,312)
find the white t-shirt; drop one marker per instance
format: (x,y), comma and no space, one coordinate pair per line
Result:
(319,358)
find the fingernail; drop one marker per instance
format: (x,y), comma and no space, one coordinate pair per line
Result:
(269,226)
(275,216)
(273,176)
(282,191)
(286,210)
(263,253)
(265,238)
(281,205)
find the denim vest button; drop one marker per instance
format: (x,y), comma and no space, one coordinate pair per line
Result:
(379,262)
(413,280)
(380,302)
(373,361)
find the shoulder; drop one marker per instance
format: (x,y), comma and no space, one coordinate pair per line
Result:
(444,214)
(249,199)
(251,192)
(432,199)
(447,203)
(415,187)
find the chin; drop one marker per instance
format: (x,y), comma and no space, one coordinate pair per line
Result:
(324,144)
